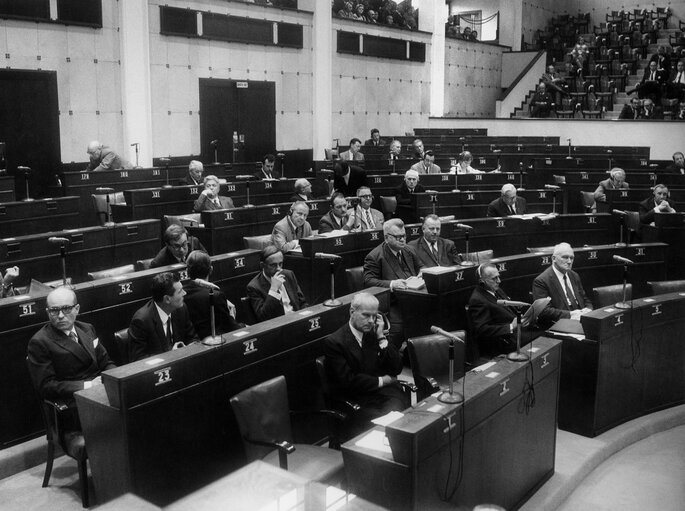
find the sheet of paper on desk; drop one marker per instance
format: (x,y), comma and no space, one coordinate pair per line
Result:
(375,440)
(388,418)
(331,234)
(578,337)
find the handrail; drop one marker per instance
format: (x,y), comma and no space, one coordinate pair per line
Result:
(523,73)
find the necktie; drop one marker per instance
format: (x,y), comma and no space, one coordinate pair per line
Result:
(403,265)
(169,336)
(680,75)
(434,249)
(652,76)
(571,299)
(216,201)
(369,220)
(511,210)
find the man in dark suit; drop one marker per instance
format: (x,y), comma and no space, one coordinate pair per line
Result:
(267,171)
(631,110)
(563,286)
(104,158)
(508,203)
(197,298)
(362,366)
(194,176)
(210,199)
(163,323)
(678,165)
(375,140)
(658,203)
(616,181)
(431,249)
(676,83)
(651,84)
(403,195)
(494,325)
(348,178)
(274,291)
(65,355)
(417,147)
(662,59)
(338,218)
(390,264)
(177,246)
(303,190)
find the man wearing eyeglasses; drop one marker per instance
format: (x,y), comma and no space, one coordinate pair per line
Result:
(177,246)
(369,218)
(65,355)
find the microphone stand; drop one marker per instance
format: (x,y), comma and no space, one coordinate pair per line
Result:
(466,261)
(63,258)
(621,243)
(434,200)
(26,171)
(450,396)
(136,144)
(517,356)
(246,178)
(108,211)
(332,301)
(554,200)
(623,304)
(521,176)
(456,178)
(166,163)
(569,157)
(212,340)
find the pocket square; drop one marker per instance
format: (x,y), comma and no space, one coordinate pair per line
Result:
(95,342)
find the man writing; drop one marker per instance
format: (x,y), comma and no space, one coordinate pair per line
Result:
(616,181)
(508,203)
(103,158)
(177,245)
(427,166)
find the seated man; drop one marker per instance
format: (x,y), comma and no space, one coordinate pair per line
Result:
(267,171)
(274,291)
(348,178)
(541,104)
(563,286)
(338,218)
(494,325)
(288,231)
(508,203)
(7,281)
(464,164)
(194,176)
(658,203)
(616,181)
(403,195)
(163,322)
(555,83)
(652,81)
(362,366)
(650,110)
(103,158)
(431,249)
(676,84)
(177,245)
(303,190)
(395,150)
(427,166)
(353,153)
(65,355)
(678,165)
(390,264)
(631,110)
(369,218)
(375,140)
(210,199)
(417,146)
(197,298)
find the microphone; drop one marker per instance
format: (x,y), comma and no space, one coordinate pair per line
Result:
(440,331)
(165,160)
(464,226)
(326,255)
(207,284)
(135,144)
(56,240)
(619,212)
(552,187)
(104,189)
(214,142)
(621,260)
(280,155)
(512,303)
(244,177)
(23,169)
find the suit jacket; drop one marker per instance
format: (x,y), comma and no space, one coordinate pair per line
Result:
(627,112)
(266,306)
(109,160)
(499,208)
(376,216)
(421,168)
(198,304)
(59,367)
(329,222)
(608,184)
(202,203)
(381,266)
(547,284)
(662,61)
(347,156)
(403,194)
(370,142)
(296,197)
(353,370)
(674,169)
(164,257)
(188,180)
(646,210)
(260,174)
(447,252)
(490,322)
(284,237)
(661,76)
(357,178)
(146,331)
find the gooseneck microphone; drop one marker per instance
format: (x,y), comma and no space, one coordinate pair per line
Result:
(621,260)
(326,255)
(207,284)
(56,240)
(437,330)
(512,303)
(450,396)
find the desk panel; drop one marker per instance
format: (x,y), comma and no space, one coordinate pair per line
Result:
(22,218)
(7,189)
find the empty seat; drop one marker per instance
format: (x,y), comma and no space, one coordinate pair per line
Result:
(428,356)
(355,278)
(609,295)
(484,256)
(660,287)
(257,242)
(388,205)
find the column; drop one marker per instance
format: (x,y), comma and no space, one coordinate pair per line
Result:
(322,96)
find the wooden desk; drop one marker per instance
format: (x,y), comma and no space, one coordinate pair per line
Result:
(629,364)
(7,189)
(91,249)
(108,304)
(469,453)
(162,427)
(41,215)
(668,228)
(630,199)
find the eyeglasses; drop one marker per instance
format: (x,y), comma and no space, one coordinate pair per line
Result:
(367,196)
(179,246)
(398,236)
(66,309)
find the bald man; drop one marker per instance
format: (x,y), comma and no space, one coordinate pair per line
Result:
(508,203)
(103,158)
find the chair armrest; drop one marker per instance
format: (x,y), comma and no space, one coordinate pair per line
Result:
(407,386)
(333,414)
(59,406)
(284,448)
(433,383)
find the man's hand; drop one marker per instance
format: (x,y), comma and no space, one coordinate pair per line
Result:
(601,197)
(231,308)
(576,314)
(96,381)
(207,193)
(398,284)
(388,380)
(277,282)
(11,274)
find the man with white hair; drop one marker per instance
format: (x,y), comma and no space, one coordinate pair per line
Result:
(103,158)
(403,194)
(563,286)
(508,203)
(616,181)
(303,190)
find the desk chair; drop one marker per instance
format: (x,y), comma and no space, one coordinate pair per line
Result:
(609,295)
(100,204)
(388,206)
(341,427)
(263,416)
(588,200)
(633,225)
(428,356)
(257,242)
(484,256)
(121,339)
(355,278)
(112,272)
(660,287)
(71,442)
(188,220)
(246,312)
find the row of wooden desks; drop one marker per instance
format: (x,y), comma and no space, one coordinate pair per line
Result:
(41,215)
(162,427)
(108,304)
(7,189)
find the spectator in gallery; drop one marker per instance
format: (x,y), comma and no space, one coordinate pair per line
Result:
(555,83)
(353,153)
(662,59)
(210,199)
(359,12)
(631,110)
(579,55)
(473,36)
(650,111)
(372,16)
(541,104)
(347,11)
(676,84)
(466,33)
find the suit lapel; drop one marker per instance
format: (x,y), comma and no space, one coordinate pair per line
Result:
(72,347)
(560,290)
(393,263)
(87,343)
(423,244)
(353,346)
(159,328)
